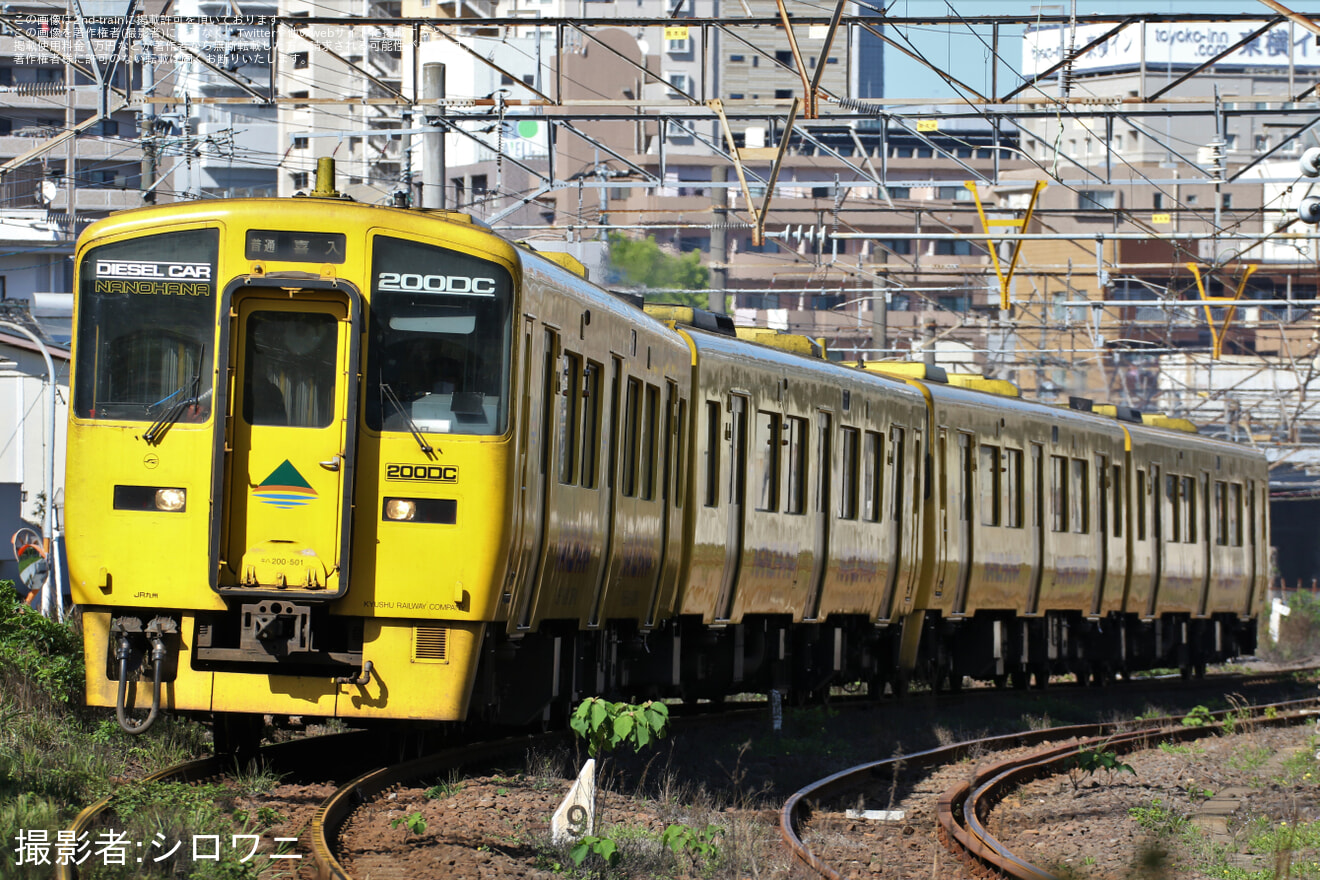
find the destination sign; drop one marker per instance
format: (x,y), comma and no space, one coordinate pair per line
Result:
(295,247)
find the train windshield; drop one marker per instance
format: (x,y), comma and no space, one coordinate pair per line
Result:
(440,332)
(146,328)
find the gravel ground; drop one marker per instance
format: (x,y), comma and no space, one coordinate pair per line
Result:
(1198,803)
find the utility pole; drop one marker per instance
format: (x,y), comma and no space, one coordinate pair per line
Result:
(147,127)
(433,141)
(719,239)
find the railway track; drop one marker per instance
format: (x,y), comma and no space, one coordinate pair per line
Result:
(361,786)
(962,810)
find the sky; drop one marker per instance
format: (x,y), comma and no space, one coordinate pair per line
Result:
(968,57)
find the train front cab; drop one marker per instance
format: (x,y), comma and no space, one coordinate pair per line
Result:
(257,514)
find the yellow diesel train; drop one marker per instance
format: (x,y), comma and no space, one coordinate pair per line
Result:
(329,459)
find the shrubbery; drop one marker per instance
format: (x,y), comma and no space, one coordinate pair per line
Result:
(1299,632)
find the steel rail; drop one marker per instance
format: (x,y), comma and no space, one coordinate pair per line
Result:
(978,845)
(335,810)
(962,810)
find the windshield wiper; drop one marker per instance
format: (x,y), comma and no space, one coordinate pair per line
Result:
(388,393)
(158,428)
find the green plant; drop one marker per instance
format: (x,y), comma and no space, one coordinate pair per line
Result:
(413,822)
(606,725)
(1087,762)
(699,843)
(1158,819)
(603,847)
(445,788)
(44,651)
(1199,717)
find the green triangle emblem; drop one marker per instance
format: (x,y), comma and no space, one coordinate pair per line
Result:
(285,475)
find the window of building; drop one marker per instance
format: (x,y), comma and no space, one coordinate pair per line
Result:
(736,59)
(299,94)
(301,60)
(478,185)
(299,179)
(784,56)
(300,143)
(1097,199)
(783,93)
(679,83)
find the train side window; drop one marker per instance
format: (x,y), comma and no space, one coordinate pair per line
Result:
(738,451)
(632,407)
(848,479)
(713,420)
(1059,492)
(1117,506)
(568,416)
(590,422)
(896,452)
(824,425)
(991,494)
(1235,513)
(1079,498)
(767,460)
(1013,488)
(1251,513)
(1101,495)
(1141,505)
(680,444)
(1175,508)
(1221,513)
(872,475)
(549,378)
(650,433)
(797,465)
(965,459)
(1189,509)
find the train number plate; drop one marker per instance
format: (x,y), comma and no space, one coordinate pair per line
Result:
(422,473)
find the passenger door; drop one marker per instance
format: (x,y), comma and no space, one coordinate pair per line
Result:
(288,477)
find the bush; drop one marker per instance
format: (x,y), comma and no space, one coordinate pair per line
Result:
(1299,632)
(43,651)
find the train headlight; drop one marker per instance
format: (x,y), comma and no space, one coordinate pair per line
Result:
(400,509)
(166,499)
(436,511)
(172,500)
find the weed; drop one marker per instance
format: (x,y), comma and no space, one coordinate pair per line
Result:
(1187,750)
(1249,758)
(1088,761)
(1199,717)
(446,788)
(1159,819)
(414,822)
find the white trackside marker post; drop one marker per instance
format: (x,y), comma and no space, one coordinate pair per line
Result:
(576,816)
(1278,611)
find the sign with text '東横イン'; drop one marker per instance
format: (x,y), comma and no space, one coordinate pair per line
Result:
(1173,44)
